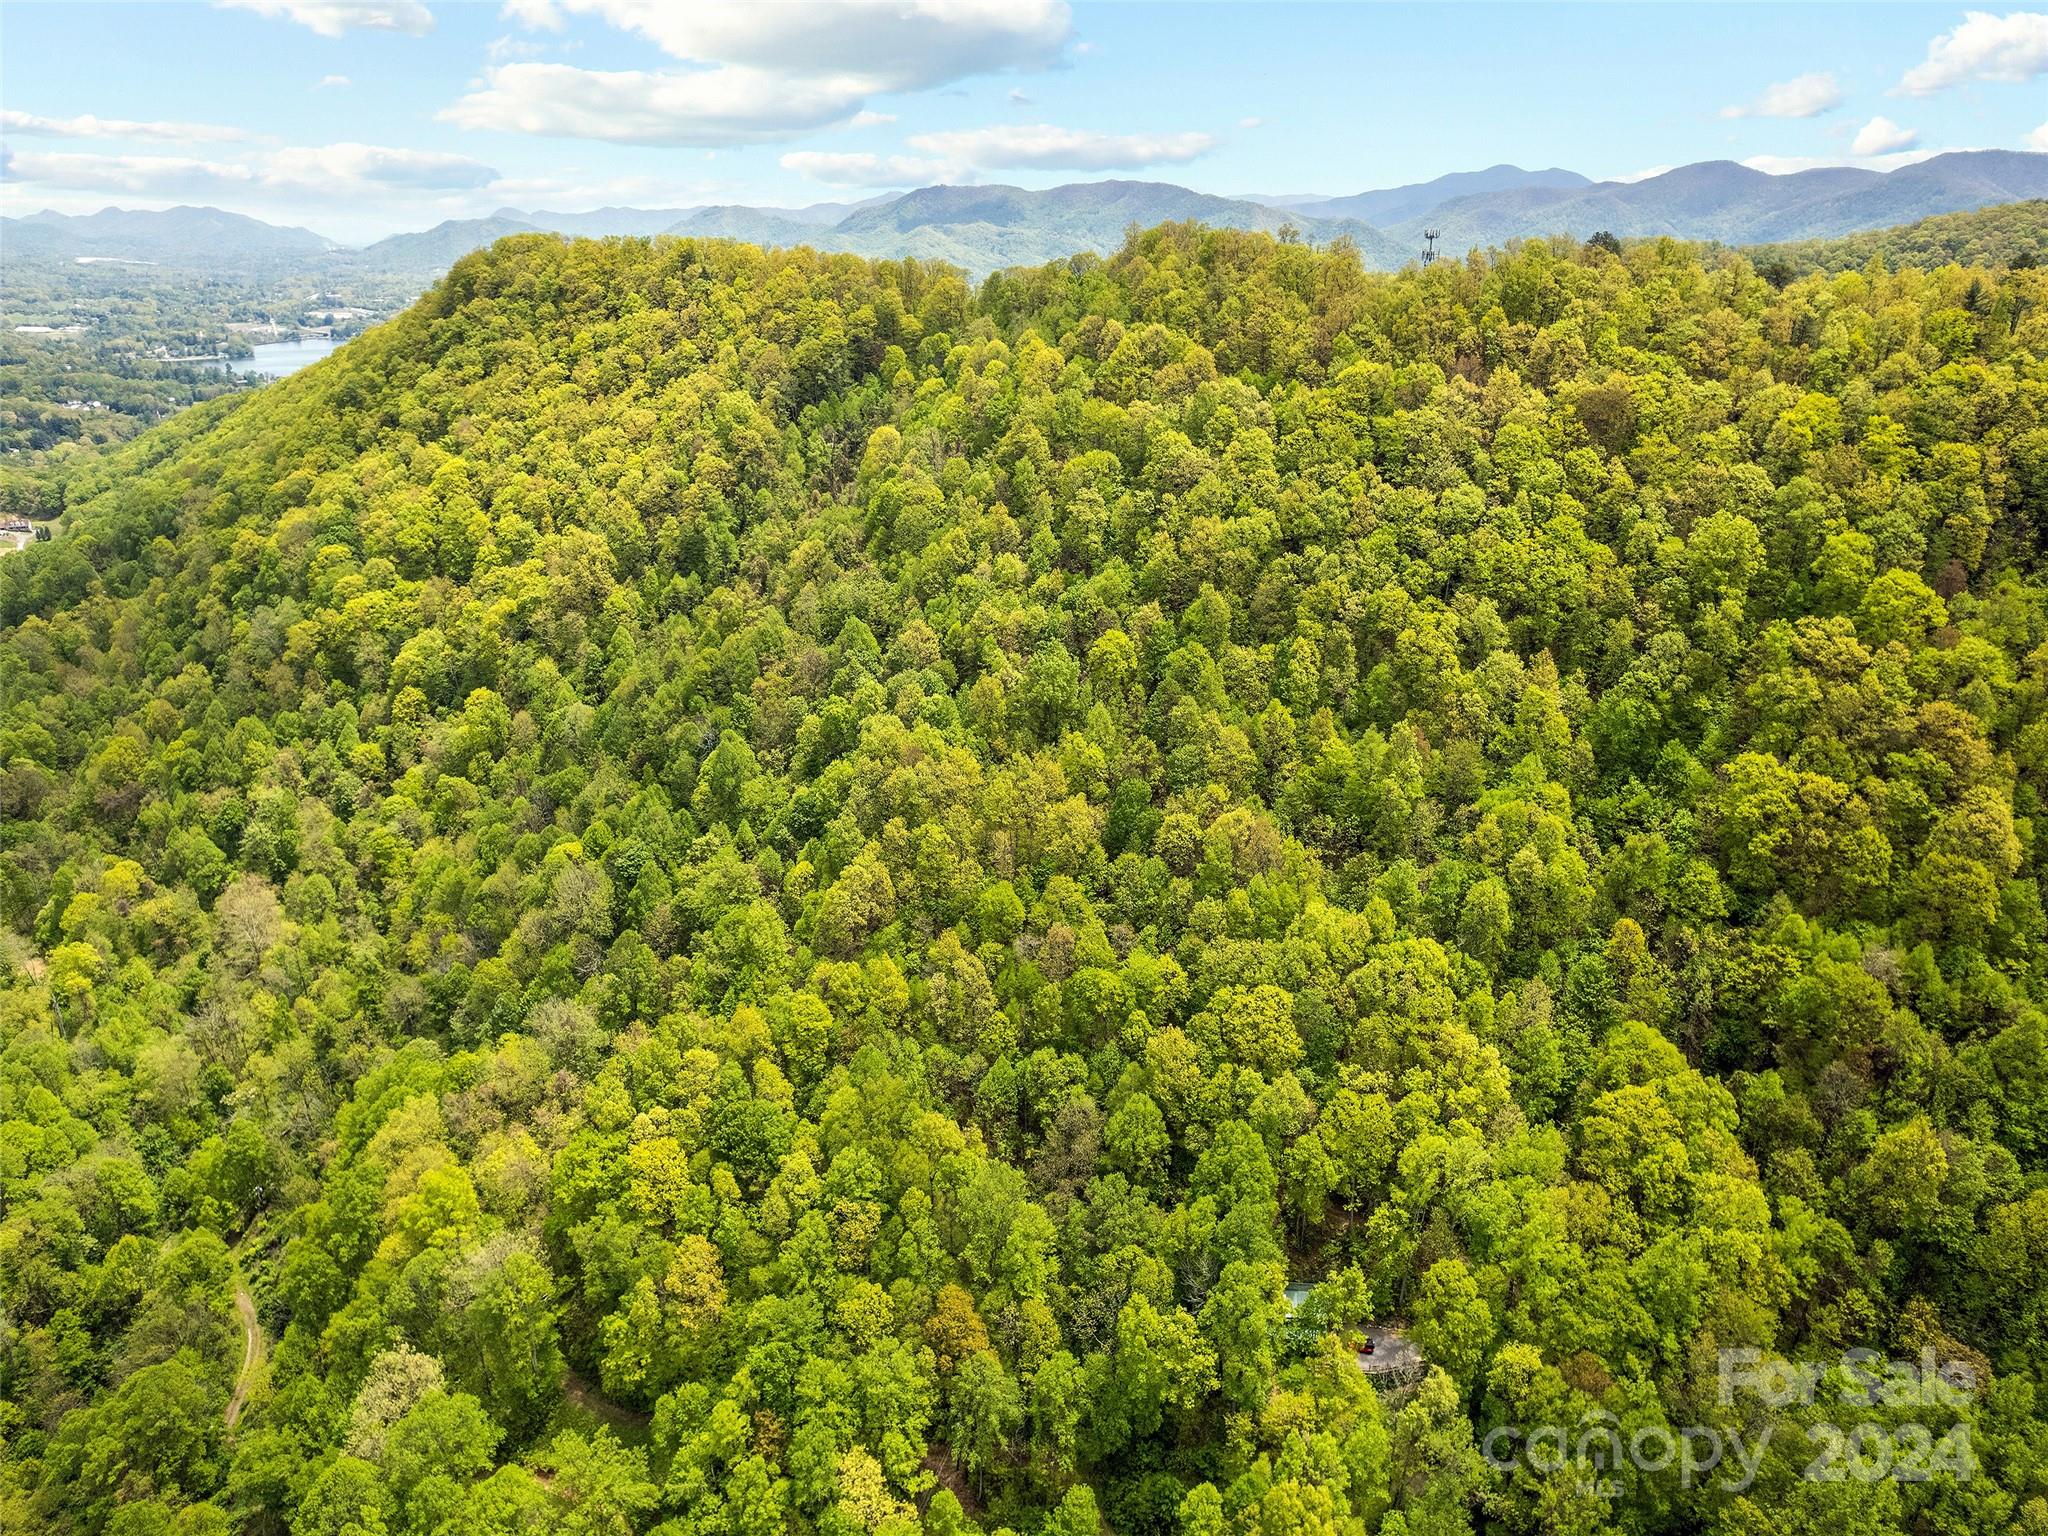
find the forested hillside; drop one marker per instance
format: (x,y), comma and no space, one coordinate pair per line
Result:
(740,893)
(2012,235)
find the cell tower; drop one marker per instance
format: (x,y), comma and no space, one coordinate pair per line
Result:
(1429,246)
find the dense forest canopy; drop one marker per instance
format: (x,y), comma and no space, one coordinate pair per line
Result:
(2010,235)
(735,893)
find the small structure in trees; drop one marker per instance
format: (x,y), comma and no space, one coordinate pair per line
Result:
(1383,1351)
(1386,1353)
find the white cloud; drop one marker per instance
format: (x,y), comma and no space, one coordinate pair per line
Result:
(870,119)
(1251,122)
(900,45)
(502,49)
(1803,96)
(1787,165)
(2038,139)
(342,166)
(540,14)
(1645,174)
(335,82)
(861,170)
(570,188)
(1041,146)
(140,175)
(701,108)
(1881,136)
(332,18)
(959,155)
(90,127)
(764,71)
(2012,49)
(332,170)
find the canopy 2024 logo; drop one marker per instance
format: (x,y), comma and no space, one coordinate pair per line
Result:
(1863,1417)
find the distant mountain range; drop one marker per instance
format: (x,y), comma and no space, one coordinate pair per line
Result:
(983,228)
(1393,204)
(1721,200)
(171,237)
(980,228)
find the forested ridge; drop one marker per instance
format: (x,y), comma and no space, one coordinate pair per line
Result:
(2008,235)
(759,892)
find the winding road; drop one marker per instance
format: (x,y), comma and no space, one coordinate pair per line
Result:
(252,1354)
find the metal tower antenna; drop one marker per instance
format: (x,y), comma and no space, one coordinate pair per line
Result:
(1429,246)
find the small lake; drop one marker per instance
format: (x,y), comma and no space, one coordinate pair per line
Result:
(275,359)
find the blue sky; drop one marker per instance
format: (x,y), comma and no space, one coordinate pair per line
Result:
(360,117)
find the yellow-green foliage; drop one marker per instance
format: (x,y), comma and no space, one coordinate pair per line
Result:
(756,892)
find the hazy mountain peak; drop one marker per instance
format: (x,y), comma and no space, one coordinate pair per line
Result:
(1389,204)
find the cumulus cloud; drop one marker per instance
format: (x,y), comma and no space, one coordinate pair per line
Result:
(698,108)
(899,45)
(139,175)
(759,72)
(2038,139)
(959,155)
(1803,96)
(870,119)
(862,170)
(331,170)
(572,187)
(341,166)
(539,14)
(1881,136)
(332,18)
(90,127)
(2011,49)
(1041,146)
